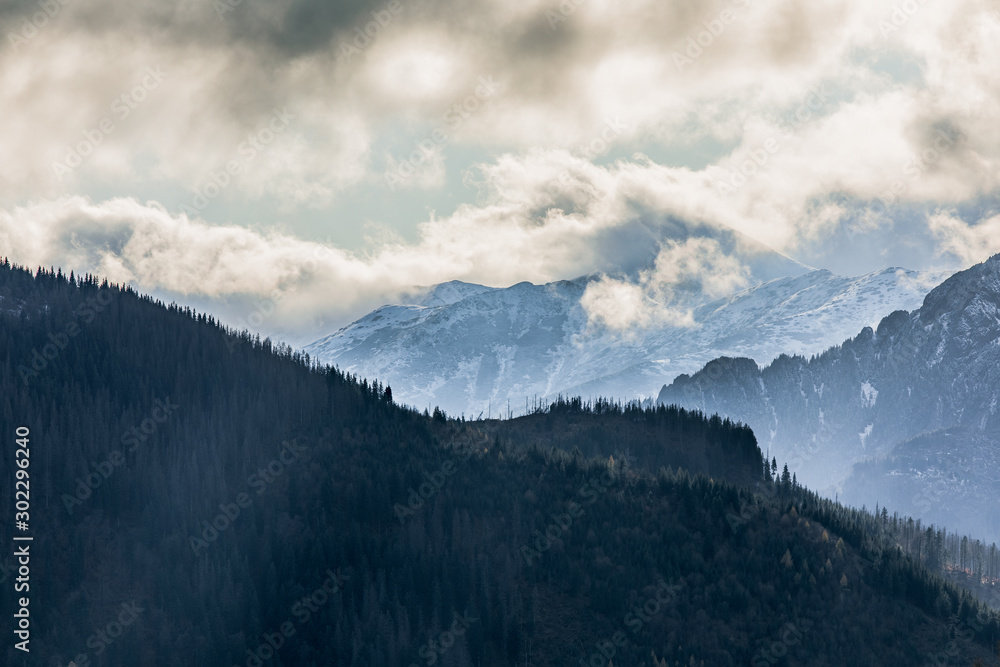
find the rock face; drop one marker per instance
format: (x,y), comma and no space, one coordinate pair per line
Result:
(920,372)
(470,349)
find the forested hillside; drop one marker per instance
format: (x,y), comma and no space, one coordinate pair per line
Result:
(200,497)
(667,437)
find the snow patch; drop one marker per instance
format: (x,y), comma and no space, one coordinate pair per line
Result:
(869,395)
(864,434)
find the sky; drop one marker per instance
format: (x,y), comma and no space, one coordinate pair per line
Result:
(327,157)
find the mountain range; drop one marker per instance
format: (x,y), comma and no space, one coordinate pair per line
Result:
(913,402)
(473,350)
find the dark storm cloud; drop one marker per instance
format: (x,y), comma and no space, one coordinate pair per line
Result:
(542,40)
(299,27)
(289,28)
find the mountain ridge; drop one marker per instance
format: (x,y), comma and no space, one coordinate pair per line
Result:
(918,372)
(387,525)
(507,344)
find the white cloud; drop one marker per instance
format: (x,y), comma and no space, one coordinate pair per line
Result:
(545,203)
(623,306)
(587,221)
(969,243)
(697,267)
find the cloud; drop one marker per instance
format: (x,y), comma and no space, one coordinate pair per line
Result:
(786,122)
(354,70)
(623,306)
(228,71)
(147,246)
(550,216)
(695,269)
(969,243)
(129,242)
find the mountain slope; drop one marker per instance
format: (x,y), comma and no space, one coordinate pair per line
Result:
(935,368)
(483,347)
(277,511)
(948,477)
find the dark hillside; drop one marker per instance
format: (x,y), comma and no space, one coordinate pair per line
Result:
(650,438)
(204,498)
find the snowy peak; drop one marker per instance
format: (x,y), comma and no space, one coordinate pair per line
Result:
(934,368)
(974,292)
(447,293)
(469,348)
(806,314)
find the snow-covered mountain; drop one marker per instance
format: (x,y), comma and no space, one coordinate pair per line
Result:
(923,373)
(470,349)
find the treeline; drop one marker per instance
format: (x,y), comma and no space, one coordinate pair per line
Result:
(632,434)
(968,562)
(249,507)
(971,563)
